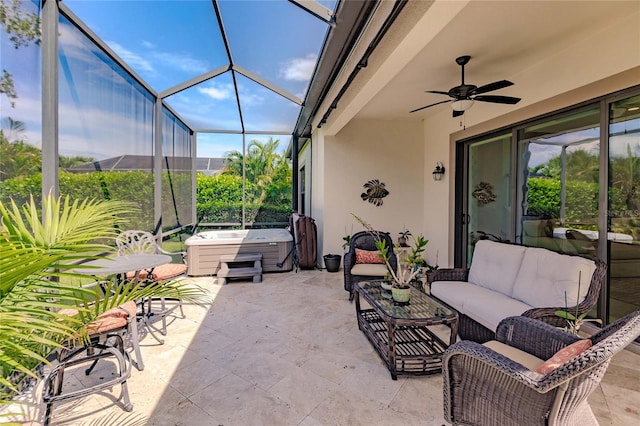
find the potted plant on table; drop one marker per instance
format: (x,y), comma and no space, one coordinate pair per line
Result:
(404,238)
(406,270)
(346,239)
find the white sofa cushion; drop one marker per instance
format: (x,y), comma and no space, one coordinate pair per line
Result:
(369,269)
(490,307)
(495,265)
(455,293)
(545,276)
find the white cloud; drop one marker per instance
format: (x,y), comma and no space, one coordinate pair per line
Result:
(134,60)
(218,92)
(299,69)
(181,62)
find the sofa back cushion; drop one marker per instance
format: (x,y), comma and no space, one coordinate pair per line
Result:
(545,276)
(495,265)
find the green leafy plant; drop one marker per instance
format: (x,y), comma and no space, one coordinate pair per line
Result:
(41,246)
(406,270)
(575,320)
(347,237)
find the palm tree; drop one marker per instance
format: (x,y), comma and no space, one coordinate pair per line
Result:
(262,163)
(36,279)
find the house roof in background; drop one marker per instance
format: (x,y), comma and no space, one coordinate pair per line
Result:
(206,165)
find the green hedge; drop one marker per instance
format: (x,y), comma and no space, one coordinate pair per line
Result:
(543,199)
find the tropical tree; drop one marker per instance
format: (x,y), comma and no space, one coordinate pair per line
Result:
(77,160)
(264,167)
(23,28)
(18,158)
(37,260)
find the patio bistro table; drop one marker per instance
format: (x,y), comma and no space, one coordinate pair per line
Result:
(400,333)
(120,265)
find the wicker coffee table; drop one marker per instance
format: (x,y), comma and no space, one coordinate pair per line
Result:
(400,333)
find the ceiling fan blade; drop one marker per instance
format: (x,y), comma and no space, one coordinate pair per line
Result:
(457,113)
(491,87)
(427,106)
(497,99)
(437,92)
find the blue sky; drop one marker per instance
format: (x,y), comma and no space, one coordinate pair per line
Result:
(167,43)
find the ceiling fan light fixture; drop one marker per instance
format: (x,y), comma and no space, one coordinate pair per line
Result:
(462,104)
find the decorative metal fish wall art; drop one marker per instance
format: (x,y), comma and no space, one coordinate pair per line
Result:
(483,192)
(374,192)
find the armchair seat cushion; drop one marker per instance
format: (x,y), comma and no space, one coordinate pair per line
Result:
(526,359)
(161,273)
(369,269)
(113,319)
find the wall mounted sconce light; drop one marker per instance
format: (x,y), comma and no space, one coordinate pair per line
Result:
(438,172)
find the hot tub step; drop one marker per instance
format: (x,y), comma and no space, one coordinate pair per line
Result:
(227,269)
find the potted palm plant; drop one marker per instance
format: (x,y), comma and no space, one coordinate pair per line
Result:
(404,238)
(37,279)
(406,270)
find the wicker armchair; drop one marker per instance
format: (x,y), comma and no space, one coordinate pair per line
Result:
(484,387)
(365,241)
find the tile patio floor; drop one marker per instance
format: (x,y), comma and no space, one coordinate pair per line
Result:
(288,352)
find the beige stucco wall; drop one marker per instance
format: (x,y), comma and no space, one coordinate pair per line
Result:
(584,68)
(587,65)
(441,133)
(368,149)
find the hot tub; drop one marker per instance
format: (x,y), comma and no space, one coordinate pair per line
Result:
(205,248)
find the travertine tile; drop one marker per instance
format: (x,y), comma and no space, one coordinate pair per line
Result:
(286,351)
(303,389)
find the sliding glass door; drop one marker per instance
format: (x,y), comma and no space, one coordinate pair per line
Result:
(569,183)
(488,194)
(623,218)
(557,181)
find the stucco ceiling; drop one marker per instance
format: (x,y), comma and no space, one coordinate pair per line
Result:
(504,39)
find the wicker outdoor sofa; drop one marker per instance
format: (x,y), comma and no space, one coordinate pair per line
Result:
(507,279)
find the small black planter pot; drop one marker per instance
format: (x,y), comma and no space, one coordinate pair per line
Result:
(332,262)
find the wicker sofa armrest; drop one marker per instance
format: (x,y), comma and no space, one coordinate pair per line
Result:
(450,274)
(533,336)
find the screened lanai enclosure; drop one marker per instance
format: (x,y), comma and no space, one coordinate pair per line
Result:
(187,108)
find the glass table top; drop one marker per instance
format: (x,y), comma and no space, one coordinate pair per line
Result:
(421,305)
